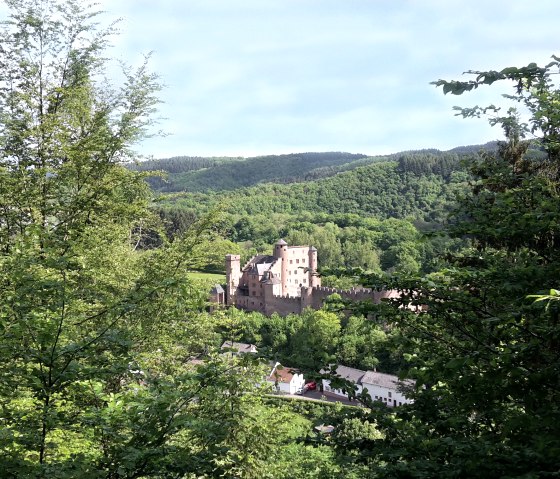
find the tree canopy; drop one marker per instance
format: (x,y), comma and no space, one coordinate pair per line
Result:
(484,354)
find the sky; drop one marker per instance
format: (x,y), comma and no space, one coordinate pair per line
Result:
(255,77)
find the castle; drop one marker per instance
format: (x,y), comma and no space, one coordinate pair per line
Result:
(284,282)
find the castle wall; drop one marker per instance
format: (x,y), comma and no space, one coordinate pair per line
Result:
(283,305)
(319,294)
(271,302)
(250,303)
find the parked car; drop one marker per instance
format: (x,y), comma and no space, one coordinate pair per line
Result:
(310,386)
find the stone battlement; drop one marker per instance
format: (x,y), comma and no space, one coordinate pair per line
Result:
(286,297)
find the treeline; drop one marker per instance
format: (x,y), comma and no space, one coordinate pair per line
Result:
(372,217)
(343,241)
(313,339)
(181,164)
(420,187)
(217,174)
(429,164)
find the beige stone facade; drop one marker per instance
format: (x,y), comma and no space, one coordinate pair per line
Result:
(284,282)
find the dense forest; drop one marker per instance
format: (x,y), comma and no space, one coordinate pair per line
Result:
(216,174)
(111,359)
(372,217)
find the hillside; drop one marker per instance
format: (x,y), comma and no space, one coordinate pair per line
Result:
(198,174)
(419,186)
(207,174)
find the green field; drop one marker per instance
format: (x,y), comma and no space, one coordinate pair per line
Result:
(214,277)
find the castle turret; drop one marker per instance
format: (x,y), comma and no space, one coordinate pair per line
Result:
(281,252)
(313,279)
(306,297)
(233,275)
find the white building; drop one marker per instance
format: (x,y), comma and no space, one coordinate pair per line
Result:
(352,375)
(285,380)
(386,388)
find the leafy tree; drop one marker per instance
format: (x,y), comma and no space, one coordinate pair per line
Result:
(485,357)
(361,343)
(81,303)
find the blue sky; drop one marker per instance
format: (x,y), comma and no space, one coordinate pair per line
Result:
(249,77)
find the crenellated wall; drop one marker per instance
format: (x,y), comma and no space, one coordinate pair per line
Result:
(314,298)
(320,293)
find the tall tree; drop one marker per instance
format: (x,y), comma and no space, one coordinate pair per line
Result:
(78,300)
(485,357)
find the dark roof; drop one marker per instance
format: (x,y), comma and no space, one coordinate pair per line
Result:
(274,280)
(351,374)
(281,242)
(260,263)
(217,289)
(383,380)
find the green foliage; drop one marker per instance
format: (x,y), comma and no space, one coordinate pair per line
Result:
(217,174)
(368,217)
(382,190)
(485,357)
(315,339)
(95,332)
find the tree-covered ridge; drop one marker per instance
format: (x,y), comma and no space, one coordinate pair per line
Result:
(413,186)
(181,164)
(204,174)
(217,174)
(368,218)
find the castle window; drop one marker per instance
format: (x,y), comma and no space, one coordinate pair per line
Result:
(304,280)
(297,260)
(303,260)
(295,271)
(291,261)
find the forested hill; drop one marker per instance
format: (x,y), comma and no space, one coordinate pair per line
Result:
(205,174)
(217,174)
(414,185)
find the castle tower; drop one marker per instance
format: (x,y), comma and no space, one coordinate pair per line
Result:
(313,279)
(306,297)
(233,275)
(281,252)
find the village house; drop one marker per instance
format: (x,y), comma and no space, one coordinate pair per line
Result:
(387,388)
(285,380)
(237,349)
(352,375)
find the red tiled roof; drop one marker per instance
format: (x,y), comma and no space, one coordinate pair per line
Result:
(283,375)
